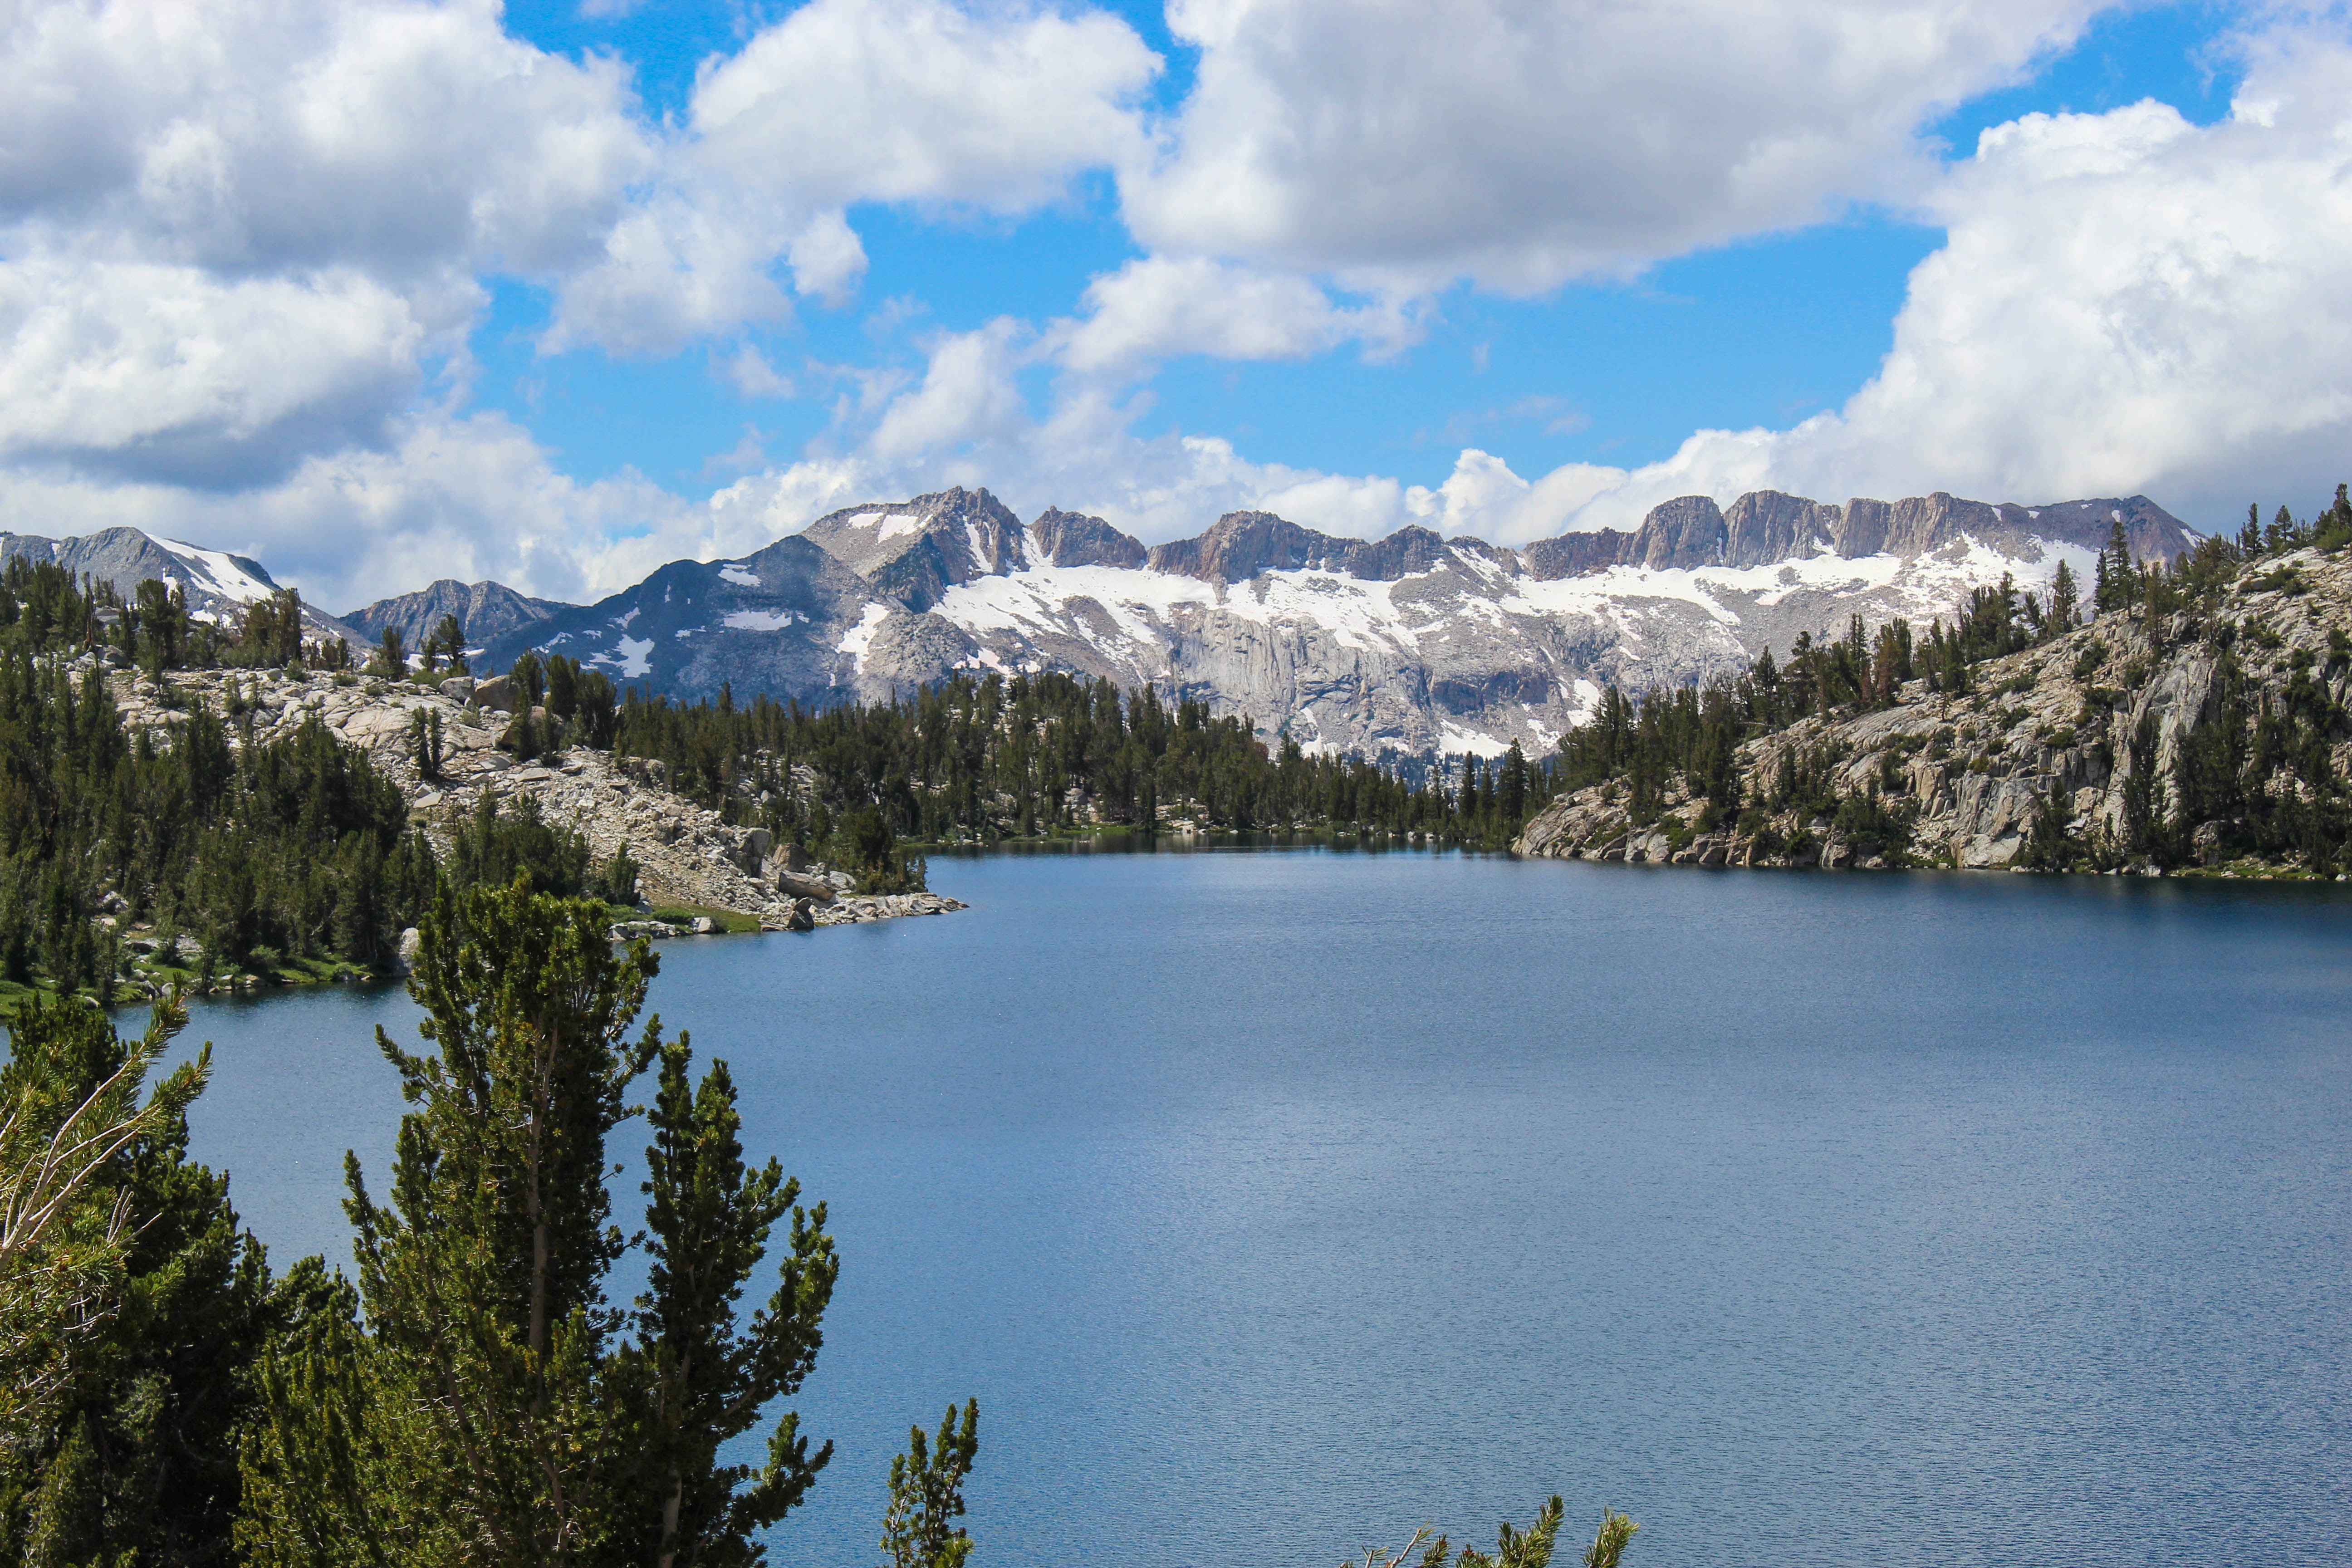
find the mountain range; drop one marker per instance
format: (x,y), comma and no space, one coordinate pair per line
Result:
(1412,644)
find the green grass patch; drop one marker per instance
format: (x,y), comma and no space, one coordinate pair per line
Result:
(684,914)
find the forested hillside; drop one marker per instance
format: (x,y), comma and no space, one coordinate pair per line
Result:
(231,834)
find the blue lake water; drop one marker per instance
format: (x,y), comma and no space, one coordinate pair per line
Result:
(1274,1203)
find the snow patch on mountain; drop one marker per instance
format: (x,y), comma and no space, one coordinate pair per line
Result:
(860,637)
(220,572)
(762,620)
(629,659)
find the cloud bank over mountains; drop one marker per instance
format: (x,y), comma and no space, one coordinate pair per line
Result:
(245,245)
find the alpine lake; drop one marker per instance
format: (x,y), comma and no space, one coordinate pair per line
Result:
(1275,1200)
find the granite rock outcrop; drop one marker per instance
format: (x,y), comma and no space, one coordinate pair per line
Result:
(1973,772)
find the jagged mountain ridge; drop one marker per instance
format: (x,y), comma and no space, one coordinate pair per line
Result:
(1412,643)
(1764,527)
(484,610)
(220,586)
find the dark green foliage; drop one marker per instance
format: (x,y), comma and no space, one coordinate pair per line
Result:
(582,706)
(391,659)
(137,1460)
(2065,602)
(1873,827)
(2052,844)
(295,844)
(529,674)
(1679,733)
(493,847)
(617,883)
(2114,587)
(271,635)
(2263,773)
(875,858)
(983,759)
(446,641)
(484,1272)
(490,1405)
(926,1495)
(1531,1548)
(425,747)
(699,1379)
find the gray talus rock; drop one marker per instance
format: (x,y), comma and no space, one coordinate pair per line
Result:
(801,885)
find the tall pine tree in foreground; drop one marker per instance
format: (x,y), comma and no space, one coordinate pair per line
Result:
(478,1399)
(698,1379)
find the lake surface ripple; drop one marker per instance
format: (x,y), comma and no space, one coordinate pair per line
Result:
(1275,1203)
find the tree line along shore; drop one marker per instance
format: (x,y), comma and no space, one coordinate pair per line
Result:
(187,805)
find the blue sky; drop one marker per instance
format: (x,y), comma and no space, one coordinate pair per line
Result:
(384,290)
(1761,332)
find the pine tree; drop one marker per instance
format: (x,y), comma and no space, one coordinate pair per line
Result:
(424,742)
(490,1406)
(487,1326)
(2332,529)
(391,659)
(699,1381)
(1513,797)
(138,1308)
(2117,589)
(926,1495)
(448,639)
(2065,601)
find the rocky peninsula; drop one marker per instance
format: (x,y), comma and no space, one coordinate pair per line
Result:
(716,875)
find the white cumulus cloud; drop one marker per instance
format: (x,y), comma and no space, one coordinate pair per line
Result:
(242,244)
(993,109)
(1159,307)
(1523,145)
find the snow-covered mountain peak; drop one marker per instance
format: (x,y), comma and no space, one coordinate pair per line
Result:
(912,551)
